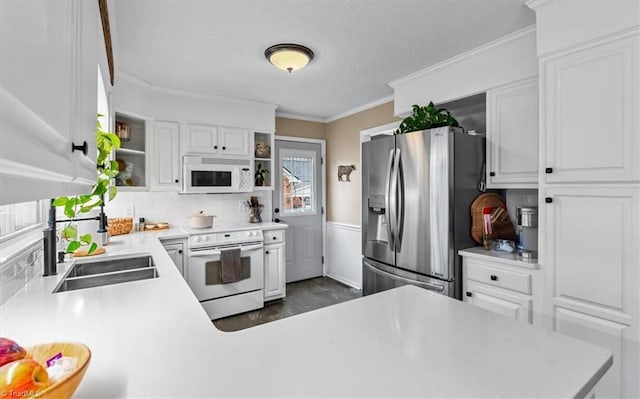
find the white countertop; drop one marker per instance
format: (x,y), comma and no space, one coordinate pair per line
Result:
(151,338)
(501,257)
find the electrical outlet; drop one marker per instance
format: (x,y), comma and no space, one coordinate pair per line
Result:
(131,211)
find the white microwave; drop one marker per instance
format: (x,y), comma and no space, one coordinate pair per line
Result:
(209,175)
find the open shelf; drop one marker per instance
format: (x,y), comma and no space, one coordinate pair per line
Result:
(131,155)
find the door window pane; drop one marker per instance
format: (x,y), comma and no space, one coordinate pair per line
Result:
(298,190)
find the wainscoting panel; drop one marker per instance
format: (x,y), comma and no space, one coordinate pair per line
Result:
(344,253)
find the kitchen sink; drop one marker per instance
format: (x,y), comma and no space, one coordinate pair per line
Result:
(111,265)
(107,272)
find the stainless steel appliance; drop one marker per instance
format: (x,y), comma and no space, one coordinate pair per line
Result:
(416,192)
(528,232)
(202,174)
(204,275)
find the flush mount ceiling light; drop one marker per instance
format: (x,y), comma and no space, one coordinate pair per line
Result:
(288,56)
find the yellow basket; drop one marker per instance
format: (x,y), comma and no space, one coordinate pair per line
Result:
(64,388)
(118,226)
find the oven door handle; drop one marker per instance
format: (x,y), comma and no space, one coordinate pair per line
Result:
(215,252)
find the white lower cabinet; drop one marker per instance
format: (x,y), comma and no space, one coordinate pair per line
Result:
(177,251)
(275,267)
(517,307)
(498,285)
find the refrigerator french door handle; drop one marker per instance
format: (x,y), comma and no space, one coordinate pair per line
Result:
(387,200)
(399,179)
(418,283)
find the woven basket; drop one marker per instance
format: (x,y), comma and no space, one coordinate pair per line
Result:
(118,226)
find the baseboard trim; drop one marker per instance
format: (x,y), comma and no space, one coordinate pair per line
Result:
(344,281)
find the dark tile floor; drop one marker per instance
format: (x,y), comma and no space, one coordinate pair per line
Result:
(302,296)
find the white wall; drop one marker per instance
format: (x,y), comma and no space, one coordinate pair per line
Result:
(175,208)
(344,254)
(506,60)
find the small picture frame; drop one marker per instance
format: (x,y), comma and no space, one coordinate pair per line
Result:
(123,131)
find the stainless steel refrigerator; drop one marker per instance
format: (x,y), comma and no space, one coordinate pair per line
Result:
(416,191)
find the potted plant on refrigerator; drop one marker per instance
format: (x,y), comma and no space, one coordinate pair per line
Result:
(426,117)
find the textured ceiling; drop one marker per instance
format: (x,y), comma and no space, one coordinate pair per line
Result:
(217,46)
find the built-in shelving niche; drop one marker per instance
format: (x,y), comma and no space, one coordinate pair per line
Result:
(131,155)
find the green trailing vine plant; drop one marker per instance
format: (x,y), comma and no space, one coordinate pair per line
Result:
(73,206)
(426,117)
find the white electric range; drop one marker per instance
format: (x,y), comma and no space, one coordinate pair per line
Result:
(204,275)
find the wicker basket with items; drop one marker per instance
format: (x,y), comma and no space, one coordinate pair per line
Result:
(119,226)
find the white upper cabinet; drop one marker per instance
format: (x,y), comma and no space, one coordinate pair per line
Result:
(200,139)
(592,120)
(48,92)
(512,135)
(165,156)
(207,139)
(234,141)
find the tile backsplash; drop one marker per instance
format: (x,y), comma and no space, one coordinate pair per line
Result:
(174,208)
(15,273)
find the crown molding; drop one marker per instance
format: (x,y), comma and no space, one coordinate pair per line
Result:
(482,48)
(535,4)
(125,76)
(361,108)
(300,117)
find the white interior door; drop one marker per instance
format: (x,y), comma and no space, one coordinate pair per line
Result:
(297,201)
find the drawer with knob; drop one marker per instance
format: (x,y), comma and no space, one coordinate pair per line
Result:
(273,236)
(498,277)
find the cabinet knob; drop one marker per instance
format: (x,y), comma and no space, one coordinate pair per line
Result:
(215,147)
(469,293)
(494,277)
(492,174)
(177,181)
(548,200)
(179,251)
(548,170)
(275,238)
(266,252)
(224,148)
(84,147)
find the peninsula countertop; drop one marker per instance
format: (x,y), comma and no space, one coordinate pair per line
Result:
(151,338)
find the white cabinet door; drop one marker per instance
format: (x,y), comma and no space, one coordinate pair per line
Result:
(87,92)
(165,156)
(499,301)
(233,141)
(591,251)
(512,136)
(608,335)
(591,114)
(176,252)
(275,274)
(46,49)
(199,139)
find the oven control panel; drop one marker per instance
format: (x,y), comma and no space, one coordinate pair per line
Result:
(228,237)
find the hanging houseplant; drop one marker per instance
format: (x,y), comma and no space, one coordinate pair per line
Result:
(426,117)
(73,206)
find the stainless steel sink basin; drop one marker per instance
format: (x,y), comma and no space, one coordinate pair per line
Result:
(110,265)
(107,272)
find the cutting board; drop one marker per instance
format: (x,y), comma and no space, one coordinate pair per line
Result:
(79,254)
(502,228)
